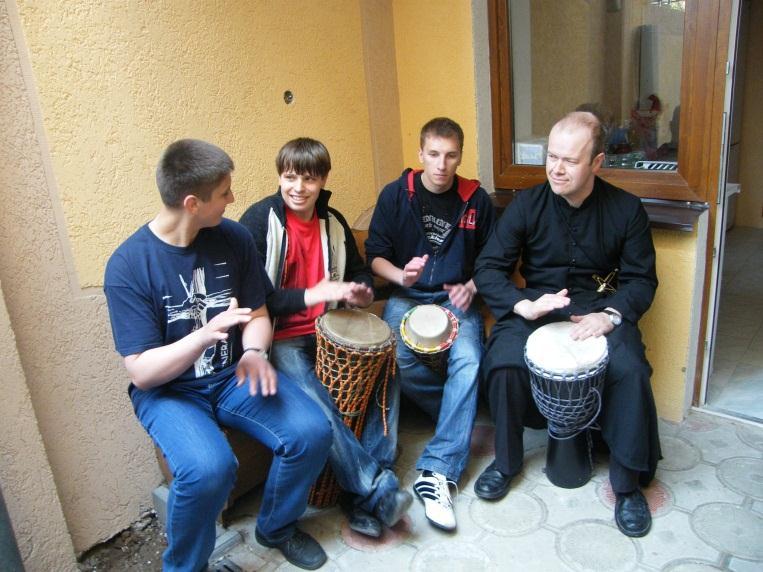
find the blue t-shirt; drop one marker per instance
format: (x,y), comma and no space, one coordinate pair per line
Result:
(158,293)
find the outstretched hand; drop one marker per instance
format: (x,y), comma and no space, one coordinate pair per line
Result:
(542,306)
(591,325)
(353,293)
(217,328)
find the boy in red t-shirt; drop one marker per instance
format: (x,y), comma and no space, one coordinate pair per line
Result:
(313,261)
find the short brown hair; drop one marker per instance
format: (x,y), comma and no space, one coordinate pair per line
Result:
(191,167)
(442,127)
(304,155)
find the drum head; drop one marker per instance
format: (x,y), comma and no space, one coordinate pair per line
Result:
(551,348)
(355,328)
(429,328)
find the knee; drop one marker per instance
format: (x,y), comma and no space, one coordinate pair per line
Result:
(310,435)
(207,473)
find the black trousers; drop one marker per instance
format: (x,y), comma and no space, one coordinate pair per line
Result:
(512,408)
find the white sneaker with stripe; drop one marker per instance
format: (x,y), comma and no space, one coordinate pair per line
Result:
(434,492)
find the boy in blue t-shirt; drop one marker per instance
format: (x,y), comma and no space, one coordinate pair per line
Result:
(186,296)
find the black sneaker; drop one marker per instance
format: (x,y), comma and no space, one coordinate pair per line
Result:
(224,565)
(393,506)
(364,523)
(301,550)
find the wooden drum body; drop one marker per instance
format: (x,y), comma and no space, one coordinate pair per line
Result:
(355,351)
(567,379)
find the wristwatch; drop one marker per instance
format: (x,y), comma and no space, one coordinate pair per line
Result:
(615,318)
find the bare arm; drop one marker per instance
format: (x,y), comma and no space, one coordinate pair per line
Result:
(157,366)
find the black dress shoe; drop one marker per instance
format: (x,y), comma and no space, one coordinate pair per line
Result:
(301,550)
(392,506)
(492,484)
(364,523)
(632,514)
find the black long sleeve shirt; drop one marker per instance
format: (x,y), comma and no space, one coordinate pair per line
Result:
(563,247)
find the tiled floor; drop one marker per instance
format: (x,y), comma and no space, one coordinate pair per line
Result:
(736,384)
(707,503)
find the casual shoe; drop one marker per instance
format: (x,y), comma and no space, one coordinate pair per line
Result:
(432,489)
(632,514)
(364,523)
(301,550)
(392,506)
(492,484)
(225,565)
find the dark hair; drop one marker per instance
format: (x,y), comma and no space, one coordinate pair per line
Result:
(191,167)
(304,155)
(442,127)
(588,120)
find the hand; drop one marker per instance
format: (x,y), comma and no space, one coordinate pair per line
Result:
(217,328)
(353,293)
(359,295)
(327,291)
(254,367)
(413,270)
(461,295)
(595,324)
(542,306)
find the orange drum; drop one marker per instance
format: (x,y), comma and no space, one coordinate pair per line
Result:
(355,353)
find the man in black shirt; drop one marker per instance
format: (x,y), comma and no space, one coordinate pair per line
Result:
(568,232)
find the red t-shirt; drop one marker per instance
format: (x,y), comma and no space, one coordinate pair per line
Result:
(303,269)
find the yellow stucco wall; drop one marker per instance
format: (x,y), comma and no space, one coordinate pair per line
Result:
(666,326)
(25,477)
(107,86)
(435,72)
(118,81)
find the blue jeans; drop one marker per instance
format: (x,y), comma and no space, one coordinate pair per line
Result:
(356,471)
(451,400)
(184,421)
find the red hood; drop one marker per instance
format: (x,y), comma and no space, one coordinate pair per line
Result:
(466,187)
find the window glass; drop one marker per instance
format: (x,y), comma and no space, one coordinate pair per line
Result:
(620,59)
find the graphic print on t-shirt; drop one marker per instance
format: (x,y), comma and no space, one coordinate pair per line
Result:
(195,307)
(436,230)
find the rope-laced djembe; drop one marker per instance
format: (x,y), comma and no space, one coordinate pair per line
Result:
(429,330)
(567,379)
(355,353)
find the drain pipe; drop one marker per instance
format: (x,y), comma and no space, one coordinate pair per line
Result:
(9,550)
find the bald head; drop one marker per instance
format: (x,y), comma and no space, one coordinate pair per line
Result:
(583,120)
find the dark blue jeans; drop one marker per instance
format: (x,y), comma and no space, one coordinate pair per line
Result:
(184,421)
(356,470)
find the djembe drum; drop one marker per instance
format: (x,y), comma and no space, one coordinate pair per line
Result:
(429,330)
(566,379)
(354,351)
